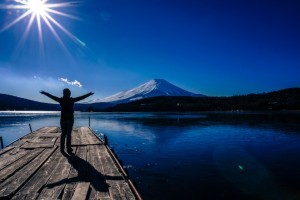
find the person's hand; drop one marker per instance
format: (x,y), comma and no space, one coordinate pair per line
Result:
(42,92)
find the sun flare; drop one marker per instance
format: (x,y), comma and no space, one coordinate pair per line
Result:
(41,12)
(37,7)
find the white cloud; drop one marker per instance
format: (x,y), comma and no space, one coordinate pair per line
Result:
(37,77)
(75,82)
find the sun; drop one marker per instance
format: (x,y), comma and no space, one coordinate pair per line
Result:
(42,12)
(38,7)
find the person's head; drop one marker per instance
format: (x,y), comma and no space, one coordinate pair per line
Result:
(67,92)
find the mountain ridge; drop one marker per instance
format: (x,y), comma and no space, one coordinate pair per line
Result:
(152,88)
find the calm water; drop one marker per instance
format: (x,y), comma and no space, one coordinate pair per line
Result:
(193,156)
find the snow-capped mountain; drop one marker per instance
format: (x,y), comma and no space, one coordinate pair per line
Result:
(153,88)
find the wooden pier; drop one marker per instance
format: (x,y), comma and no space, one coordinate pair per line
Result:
(35,168)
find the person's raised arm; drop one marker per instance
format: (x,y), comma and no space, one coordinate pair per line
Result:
(83,97)
(50,96)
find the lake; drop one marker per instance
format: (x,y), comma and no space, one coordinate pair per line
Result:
(209,155)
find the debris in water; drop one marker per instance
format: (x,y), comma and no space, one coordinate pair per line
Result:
(241,167)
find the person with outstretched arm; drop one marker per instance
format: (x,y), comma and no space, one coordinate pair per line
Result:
(66,116)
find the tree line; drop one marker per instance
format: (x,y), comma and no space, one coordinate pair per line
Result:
(287,99)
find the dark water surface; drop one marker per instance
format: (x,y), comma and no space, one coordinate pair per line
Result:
(193,155)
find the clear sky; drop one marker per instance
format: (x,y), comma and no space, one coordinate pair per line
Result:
(213,47)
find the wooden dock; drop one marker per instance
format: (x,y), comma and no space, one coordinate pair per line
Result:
(35,168)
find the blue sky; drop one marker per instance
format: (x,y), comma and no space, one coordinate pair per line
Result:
(213,47)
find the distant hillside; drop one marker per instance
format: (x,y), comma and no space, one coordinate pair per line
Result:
(9,102)
(287,99)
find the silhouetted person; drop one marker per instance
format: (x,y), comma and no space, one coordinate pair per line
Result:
(67,115)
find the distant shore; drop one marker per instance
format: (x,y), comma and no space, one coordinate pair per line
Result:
(287,99)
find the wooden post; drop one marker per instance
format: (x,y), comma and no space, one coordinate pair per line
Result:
(1,141)
(30,128)
(89,121)
(105,140)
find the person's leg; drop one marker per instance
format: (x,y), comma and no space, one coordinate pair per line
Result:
(69,135)
(63,135)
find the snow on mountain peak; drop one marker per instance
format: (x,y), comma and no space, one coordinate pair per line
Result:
(152,88)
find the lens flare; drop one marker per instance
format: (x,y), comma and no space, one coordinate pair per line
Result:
(41,11)
(37,7)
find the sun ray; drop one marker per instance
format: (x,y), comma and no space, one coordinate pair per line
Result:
(16,20)
(68,33)
(40,31)
(56,36)
(25,34)
(13,7)
(61,5)
(22,2)
(62,14)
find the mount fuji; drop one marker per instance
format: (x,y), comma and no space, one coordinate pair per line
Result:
(153,88)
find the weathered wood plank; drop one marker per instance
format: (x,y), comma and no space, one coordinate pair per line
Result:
(113,177)
(35,184)
(78,172)
(50,129)
(42,135)
(18,164)
(45,129)
(33,145)
(5,150)
(126,191)
(75,137)
(115,193)
(109,168)
(11,156)
(95,195)
(99,189)
(80,163)
(57,142)
(82,136)
(51,135)
(72,178)
(90,138)
(81,191)
(40,140)
(57,181)
(20,142)
(11,185)
(122,185)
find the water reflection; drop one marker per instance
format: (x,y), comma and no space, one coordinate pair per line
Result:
(109,126)
(245,172)
(196,155)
